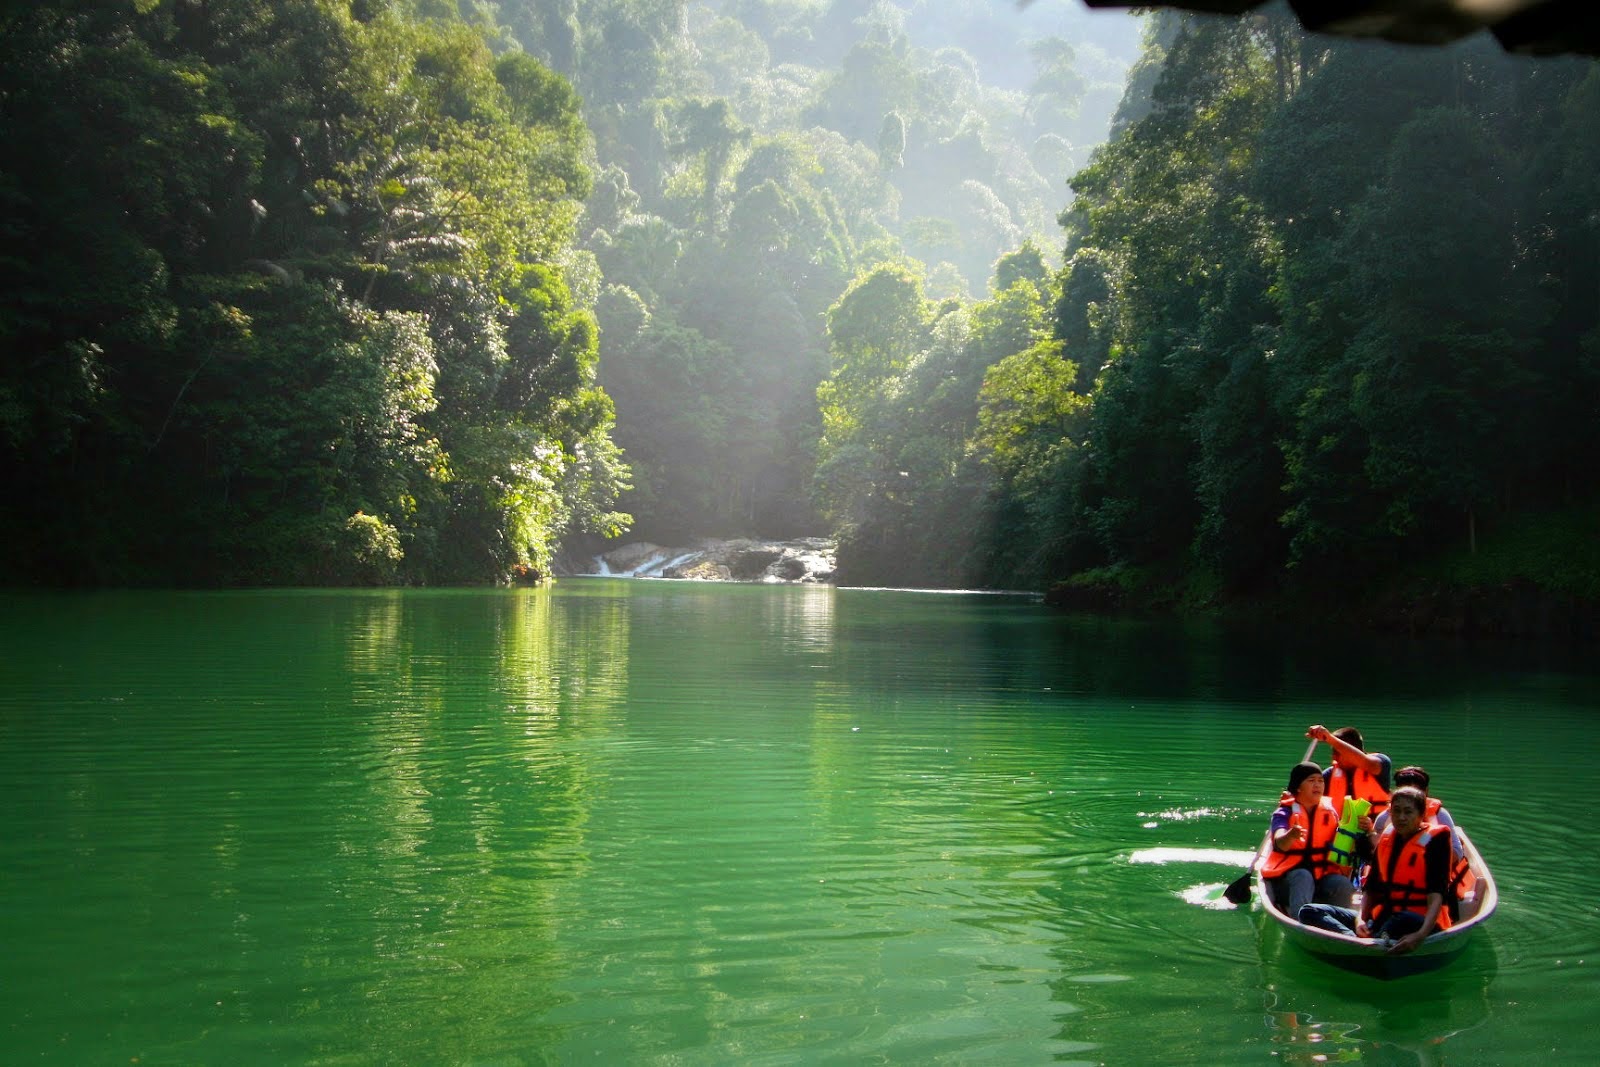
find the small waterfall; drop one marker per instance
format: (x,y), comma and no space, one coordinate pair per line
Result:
(656,565)
(658,568)
(806,560)
(643,569)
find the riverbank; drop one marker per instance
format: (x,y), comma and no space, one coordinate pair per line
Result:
(1534,576)
(1517,608)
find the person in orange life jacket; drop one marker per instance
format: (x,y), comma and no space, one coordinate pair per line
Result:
(1461,877)
(1354,771)
(1297,870)
(1403,894)
(1435,812)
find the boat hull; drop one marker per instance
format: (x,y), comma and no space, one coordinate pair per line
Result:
(1370,956)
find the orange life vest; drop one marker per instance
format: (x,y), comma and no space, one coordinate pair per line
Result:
(1313,851)
(1366,788)
(1400,883)
(1462,880)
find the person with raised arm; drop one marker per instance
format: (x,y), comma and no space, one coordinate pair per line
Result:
(1354,772)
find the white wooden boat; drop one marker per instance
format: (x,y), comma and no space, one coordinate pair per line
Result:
(1371,956)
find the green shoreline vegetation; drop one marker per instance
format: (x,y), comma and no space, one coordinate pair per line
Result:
(1537,577)
(1227,318)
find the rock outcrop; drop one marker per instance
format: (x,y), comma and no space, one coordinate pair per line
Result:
(807,559)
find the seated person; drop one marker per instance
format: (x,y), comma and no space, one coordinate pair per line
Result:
(1403,892)
(1436,812)
(1461,877)
(1297,872)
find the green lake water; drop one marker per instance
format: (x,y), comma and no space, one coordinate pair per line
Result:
(644,822)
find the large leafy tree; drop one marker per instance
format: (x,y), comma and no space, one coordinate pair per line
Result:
(877,327)
(1030,432)
(683,393)
(289,303)
(1439,358)
(1333,319)
(1166,208)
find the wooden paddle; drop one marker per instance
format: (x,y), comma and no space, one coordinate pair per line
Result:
(1238,891)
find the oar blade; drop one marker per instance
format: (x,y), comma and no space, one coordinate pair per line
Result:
(1238,891)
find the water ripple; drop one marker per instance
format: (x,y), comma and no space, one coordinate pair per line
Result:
(670,825)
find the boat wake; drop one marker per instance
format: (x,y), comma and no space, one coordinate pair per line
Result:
(1206,894)
(1233,857)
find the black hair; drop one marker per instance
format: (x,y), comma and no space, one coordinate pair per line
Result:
(1300,772)
(1350,735)
(1412,776)
(1412,795)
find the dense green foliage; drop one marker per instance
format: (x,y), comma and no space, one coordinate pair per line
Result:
(286,299)
(755,158)
(345,291)
(1331,311)
(316,290)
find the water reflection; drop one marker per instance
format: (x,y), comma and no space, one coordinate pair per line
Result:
(1318,1014)
(634,822)
(479,712)
(803,621)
